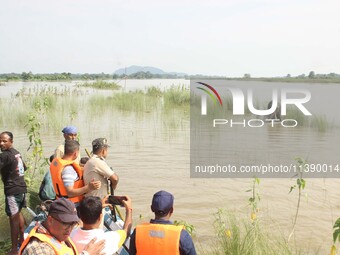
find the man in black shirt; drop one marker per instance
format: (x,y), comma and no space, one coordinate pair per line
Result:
(12,173)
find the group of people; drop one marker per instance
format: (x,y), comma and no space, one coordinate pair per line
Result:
(79,188)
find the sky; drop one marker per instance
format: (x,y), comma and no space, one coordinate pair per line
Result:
(264,38)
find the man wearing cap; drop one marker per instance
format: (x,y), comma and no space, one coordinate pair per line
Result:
(67,175)
(52,236)
(90,212)
(70,133)
(96,168)
(160,236)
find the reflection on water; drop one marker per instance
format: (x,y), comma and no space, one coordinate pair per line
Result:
(152,152)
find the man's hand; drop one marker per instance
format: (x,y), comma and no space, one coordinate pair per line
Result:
(94,185)
(127,203)
(105,202)
(128,215)
(95,248)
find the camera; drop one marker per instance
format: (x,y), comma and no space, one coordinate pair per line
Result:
(116,200)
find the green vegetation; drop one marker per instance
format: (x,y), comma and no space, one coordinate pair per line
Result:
(292,79)
(302,78)
(236,236)
(99,84)
(336,236)
(48,108)
(5,246)
(177,96)
(188,227)
(65,76)
(255,198)
(320,123)
(154,92)
(312,77)
(300,185)
(147,75)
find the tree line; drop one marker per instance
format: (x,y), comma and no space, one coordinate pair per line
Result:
(311,75)
(29,76)
(66,76)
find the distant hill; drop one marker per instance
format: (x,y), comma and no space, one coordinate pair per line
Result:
(137,69)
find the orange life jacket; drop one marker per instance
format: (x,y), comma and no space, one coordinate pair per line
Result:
(56,167)
(60,248)
(158,239)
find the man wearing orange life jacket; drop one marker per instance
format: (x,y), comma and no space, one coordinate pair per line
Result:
(67,175)
(160,236)
(51,237)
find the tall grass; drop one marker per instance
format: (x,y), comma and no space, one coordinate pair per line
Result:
(131,101)
(236,236)
(320,123)
(65,103)
(154,92)
(99,84)
(296,114)
(177,96)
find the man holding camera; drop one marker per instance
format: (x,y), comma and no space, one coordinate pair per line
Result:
(90,212)
(160,236)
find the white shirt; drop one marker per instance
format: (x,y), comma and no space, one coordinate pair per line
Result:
(113,239)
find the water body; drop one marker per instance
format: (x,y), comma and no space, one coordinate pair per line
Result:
(151,152)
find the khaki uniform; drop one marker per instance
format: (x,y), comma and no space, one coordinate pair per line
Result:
(97,169)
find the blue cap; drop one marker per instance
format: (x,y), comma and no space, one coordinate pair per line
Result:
(162,202)
(69,130)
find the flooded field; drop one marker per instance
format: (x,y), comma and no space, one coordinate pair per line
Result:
(150,150)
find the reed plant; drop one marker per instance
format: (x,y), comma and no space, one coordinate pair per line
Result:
(177,96)
(300,186)
(131,101)
(48,90)
(100,84)
(296,114)
(320,123)
(235,236)
(154,92)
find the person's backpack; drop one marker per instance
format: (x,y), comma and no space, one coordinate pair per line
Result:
(46,190)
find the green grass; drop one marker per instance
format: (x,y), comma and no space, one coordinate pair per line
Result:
(235,236)
(320,123)
(154,92)
(177,96)
(99,84)
(5,246)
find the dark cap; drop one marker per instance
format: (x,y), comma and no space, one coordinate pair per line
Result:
(162,202)
(69,130)
(99,143)
(63,210)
